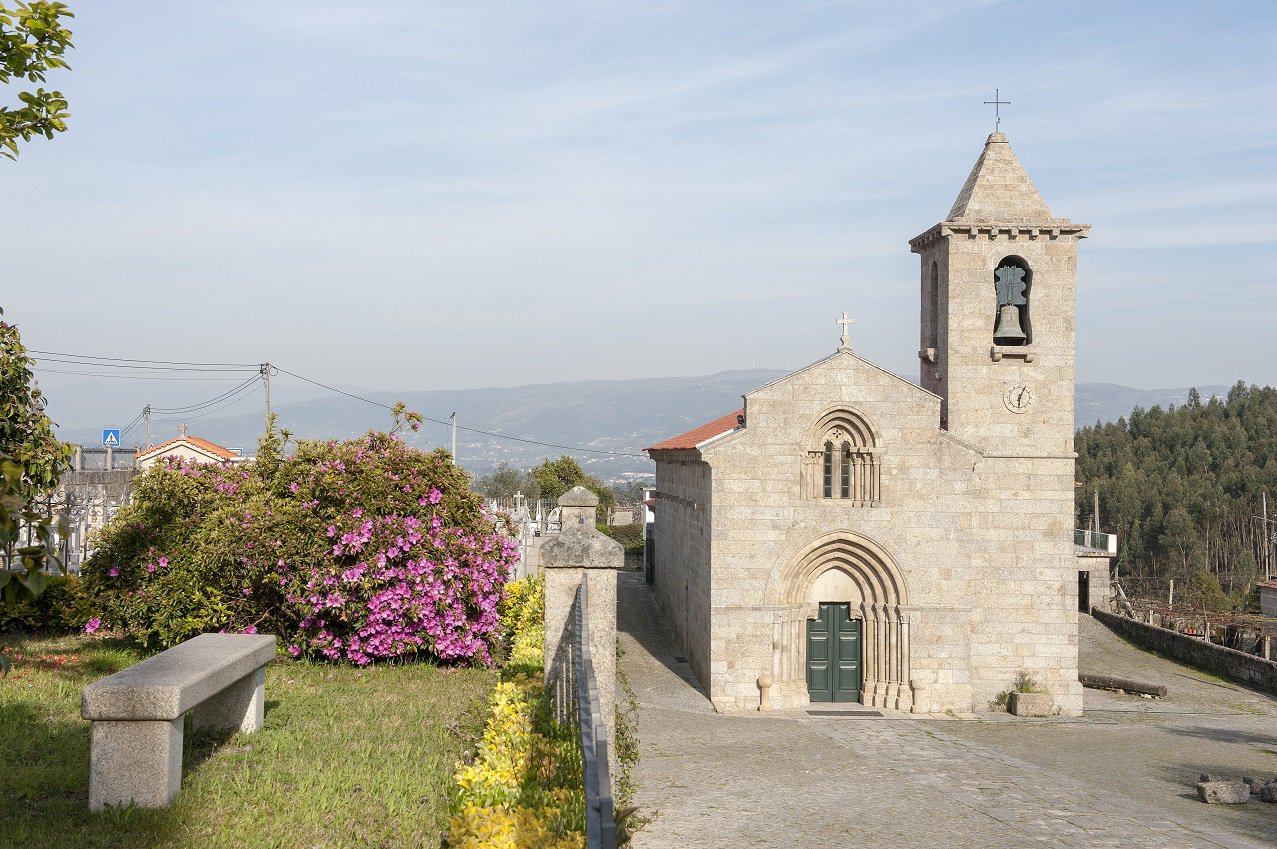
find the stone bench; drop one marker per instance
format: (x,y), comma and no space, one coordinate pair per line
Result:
(137,714)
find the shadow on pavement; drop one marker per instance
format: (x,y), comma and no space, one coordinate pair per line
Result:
(639,616)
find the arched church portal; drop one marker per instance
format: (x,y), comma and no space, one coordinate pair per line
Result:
(841,632)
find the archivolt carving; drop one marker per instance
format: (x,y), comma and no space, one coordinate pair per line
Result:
(867,563)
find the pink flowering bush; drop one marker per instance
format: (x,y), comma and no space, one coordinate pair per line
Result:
(360,550)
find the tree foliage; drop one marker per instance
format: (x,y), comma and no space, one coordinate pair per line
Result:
(555,477)
(31,461)
(505,481)
(33,40)
(1182,487)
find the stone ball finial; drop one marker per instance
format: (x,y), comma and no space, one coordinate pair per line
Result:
(764,692)
(578,496)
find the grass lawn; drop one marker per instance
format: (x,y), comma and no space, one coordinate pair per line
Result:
(348,757)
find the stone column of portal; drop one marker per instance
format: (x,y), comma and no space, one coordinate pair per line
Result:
(893,655)
(905,700)
(581,554)
(880,655)
(867,652)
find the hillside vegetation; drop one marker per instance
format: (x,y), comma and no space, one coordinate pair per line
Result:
(1182,487)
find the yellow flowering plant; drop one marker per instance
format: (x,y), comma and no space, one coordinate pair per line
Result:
(523,789)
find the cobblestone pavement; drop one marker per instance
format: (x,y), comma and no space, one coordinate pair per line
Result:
(1121,776)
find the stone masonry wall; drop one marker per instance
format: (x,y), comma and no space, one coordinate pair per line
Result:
(1248,669)
(1024,581)
(683,510)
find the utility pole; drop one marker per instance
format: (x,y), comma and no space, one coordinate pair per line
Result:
(1268,552)
(1095,511)
(147,411)
(454,437)
(265,372)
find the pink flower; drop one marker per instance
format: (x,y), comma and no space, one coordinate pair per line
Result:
(150,568)
(251,629)
(114,571)
(92,625)
(163,562)
(293,487)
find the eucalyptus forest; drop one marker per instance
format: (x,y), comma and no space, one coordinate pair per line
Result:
(1184,489)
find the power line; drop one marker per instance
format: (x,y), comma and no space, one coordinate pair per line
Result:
(86,362)
(195,407)
(127,360)
(229,403)
(463,427)
(137,420)
(110,376)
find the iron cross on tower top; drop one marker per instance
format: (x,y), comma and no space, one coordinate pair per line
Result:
(997,102)
(844,344)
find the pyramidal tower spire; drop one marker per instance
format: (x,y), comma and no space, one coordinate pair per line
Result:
(999,189)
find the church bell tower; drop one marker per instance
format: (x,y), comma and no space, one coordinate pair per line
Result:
(998,289)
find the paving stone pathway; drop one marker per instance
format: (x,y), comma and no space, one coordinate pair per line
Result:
(790,779)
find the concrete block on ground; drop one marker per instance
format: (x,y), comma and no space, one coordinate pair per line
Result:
(1223,792)
(1031,704)
(135,763)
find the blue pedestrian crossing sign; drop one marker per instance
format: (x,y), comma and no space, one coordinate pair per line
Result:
(111,438)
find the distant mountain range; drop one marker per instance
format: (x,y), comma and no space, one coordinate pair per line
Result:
(605,424)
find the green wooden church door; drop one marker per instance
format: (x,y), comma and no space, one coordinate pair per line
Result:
(833,655)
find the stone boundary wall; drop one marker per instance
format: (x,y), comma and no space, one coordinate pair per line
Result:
(1248,669)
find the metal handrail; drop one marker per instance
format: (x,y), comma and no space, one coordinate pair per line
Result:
(600,820)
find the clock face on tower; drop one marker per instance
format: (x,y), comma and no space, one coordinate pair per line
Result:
(1018,398)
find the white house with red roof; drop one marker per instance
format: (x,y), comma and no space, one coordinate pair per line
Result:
(188,448)
(852,536)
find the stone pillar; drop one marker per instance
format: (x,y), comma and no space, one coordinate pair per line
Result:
(580,553)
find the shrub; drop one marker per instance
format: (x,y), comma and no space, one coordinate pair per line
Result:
(524,788)
(358,550)
(630,536)
(64,605)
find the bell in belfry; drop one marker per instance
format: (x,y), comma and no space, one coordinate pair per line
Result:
(1010,286)
(1008,331)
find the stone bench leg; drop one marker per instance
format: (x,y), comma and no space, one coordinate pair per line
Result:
(240,707)
(138,762)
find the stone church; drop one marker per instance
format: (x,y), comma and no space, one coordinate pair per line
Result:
(856,537)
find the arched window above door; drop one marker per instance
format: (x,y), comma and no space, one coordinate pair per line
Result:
(842,460)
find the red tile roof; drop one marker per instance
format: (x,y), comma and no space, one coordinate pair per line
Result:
(698,435)
(194,442)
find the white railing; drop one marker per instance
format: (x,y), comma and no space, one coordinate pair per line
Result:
(1095,541)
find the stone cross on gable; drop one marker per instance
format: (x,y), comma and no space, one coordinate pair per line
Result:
(182,428)
(997,102)
(844,344)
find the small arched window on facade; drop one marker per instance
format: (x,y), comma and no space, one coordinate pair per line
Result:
(1013,283)
(843,462)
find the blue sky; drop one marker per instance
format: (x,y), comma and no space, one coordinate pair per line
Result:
(428,195)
